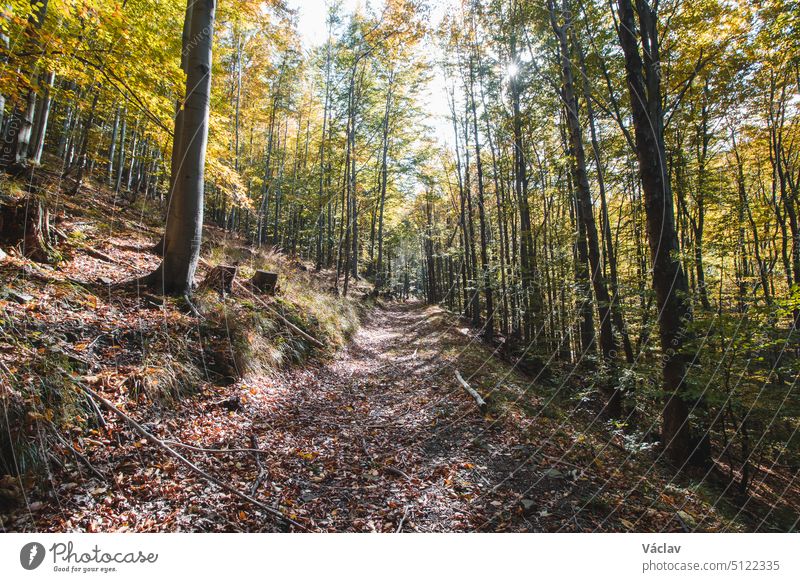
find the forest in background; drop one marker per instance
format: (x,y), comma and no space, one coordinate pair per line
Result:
(615,210)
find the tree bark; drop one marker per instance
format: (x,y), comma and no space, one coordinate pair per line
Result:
(185,217)
(584,206)
(384,176)
(486,282)
(669,279)
(40,129)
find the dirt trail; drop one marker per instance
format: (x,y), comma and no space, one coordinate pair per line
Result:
(389,436)
(380,438)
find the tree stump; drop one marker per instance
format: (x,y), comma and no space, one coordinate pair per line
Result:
(220,278)
(26,222)
(265,282)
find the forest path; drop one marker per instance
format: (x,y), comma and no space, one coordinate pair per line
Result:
(382,437)
(384,434)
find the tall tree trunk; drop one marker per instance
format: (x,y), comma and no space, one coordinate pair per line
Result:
(322,151)
(499,198)
(40,129)
(475,298)
(669,279)
(486,281)
(432,292)
(177,135)
(16,139)
(4,44)
(185,217)
(80,166)
(608,237)
(384,177)
(700,198)
(585,209)
(529,303)
(121,159)
(462,220)
(112,148)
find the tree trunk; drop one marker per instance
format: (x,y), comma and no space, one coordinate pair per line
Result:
(384,176)
(16,139)
(529,301)
(80,166)
(608,238)
(40,129)
(4,44)
(585,209)
(112,149)
(185,216)
(486,281)
(669,279)
(121,160)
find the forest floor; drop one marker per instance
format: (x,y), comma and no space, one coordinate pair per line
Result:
(375,434)
(380,438)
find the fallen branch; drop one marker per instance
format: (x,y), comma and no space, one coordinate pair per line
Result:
(186,462)
(471,391)
(213,451)
(398,472)
(78,454)
(402,520)
(78,282)
(262,471)
(97,409)
(60,234)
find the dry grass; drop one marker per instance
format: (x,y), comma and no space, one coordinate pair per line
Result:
(258,342)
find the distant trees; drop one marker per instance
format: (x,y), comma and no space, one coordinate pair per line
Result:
(609,154)
(18,128)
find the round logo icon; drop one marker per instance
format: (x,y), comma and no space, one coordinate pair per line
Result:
(31,555)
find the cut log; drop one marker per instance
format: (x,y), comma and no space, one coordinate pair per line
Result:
(220,279)
(471,391)
(265,282)
(264,304)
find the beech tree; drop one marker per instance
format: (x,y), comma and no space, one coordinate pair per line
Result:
(669,280)
(185,216)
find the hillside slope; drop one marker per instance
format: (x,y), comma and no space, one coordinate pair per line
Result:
(79,317)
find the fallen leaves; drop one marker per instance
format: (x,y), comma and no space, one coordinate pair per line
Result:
(379,438)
